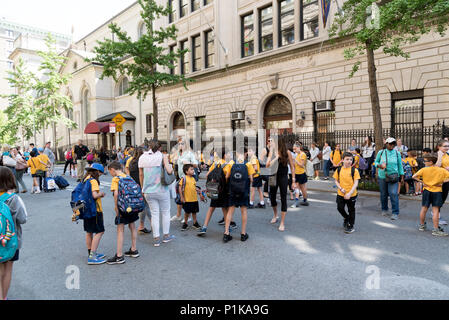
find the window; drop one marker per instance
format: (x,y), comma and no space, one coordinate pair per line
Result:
(248,35)
(210,49)
(309,19)
(195,5)
(324,121)
(184,59)
(86,106)
(184,4)
(9,33)
(206,2)
(10,65)
(200,129)
(196,53)
(266,29)
(172,16)
(172,51)
(122,87)
(149,121)
(286,22)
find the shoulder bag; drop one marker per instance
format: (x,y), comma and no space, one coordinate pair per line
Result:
(394,177)
(166,179)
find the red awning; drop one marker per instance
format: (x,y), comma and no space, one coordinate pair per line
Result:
(97,127)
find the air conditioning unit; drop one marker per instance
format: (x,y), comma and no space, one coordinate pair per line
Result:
(323,106)
(238,115)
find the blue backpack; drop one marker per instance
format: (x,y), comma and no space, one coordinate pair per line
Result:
(8,238)
(83,195)
(363,165)
(130,198)
(238,182)
(408,174)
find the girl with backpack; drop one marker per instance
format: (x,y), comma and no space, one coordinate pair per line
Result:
(90,157)
(18,216)
(368,153)
(68,161)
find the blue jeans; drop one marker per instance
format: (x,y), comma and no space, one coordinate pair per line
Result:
(389,190)
(326,166)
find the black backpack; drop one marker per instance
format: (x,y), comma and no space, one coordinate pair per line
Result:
(216,182)
(238,182)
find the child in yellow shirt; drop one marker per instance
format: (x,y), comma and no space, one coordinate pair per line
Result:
(189,196)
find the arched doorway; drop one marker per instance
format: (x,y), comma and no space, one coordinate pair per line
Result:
(178,121)
(277,116)
(178,127)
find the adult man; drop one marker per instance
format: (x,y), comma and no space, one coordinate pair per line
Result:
(81,152)
(33,148)
(50,155)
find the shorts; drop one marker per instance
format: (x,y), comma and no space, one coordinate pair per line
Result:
(191,207)
(432,198)
(316,166)
(126,218)
(257,182)
(15,258)
(239,201)
(301,178)
(94,224)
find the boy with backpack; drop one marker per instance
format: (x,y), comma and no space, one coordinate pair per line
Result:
(432,177)
(189,196)
(347,179)
(12,215)
(410,165)
(88,191)
(359,162)
(128,202)
(241,177)
(257,181)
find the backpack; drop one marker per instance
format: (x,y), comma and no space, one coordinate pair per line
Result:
(408,174)
(183,187)
(68,155)
(8,237)
(90,157)
(216,182)
(363,164)
(352,173)
(238,182)
(83,200)
(130,197)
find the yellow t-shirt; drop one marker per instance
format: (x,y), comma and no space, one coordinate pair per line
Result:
(190,194)
(95,187)
(412,162)
(346,181)
(128,162)
(212,167)
(34,165)
(115,180)
(433,177)
(336,157)
(227,168)
(445,161)
(356,161)
(42,158)
(255,162)
(300,157)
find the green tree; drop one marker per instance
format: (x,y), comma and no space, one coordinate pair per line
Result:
(147,62)
(51,101)
(387,25)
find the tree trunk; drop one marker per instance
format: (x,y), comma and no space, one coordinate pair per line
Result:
(155,113)
(375,104)
(55,143)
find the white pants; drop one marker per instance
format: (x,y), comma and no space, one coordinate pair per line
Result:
(159,205)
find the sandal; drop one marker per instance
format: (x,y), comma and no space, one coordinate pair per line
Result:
(281,228)
(274,220)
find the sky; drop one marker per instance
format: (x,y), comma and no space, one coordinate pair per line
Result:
(60,15)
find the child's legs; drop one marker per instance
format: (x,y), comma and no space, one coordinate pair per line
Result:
(89,238)
(2,276)
(303,188)
(244,219)
(7,278)
(194,218)
(341,207)
(132,228)
(260,195)
(209,215)
(436,216)
(229,219)
(422,215)
(253,193)
(120,231)
(351,210)
(96,241)
(179,209)
(186,217)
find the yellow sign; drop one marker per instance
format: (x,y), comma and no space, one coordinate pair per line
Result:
(119,120)
(119,128)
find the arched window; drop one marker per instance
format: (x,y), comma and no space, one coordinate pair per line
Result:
(178,121)
(278,113)
(86,106)
(122,87)
(142,30)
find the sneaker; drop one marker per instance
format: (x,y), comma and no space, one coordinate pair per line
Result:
(349,229)
(442,222)
(423,227)
(116,260)
(183,220)
(244,237)
(95,260)
(232,226)
(439,232)
(386,214)
(345,223)
(101,255)
(227,237)
(157,242)
(133,254)
(202,232)
(260,206)
(196,226)
(394,217)
(175,218)
(168,239)
(304,203)
(221,222)
(251,206)
(184,227)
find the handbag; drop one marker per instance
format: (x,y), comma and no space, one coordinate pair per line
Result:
(166,179)
(391,178)
(21,165)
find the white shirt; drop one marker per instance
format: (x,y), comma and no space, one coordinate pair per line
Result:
(327,153)
(187,157)
(313,155)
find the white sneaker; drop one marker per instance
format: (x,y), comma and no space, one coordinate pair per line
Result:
(182,221)
(442,222)
(175,218)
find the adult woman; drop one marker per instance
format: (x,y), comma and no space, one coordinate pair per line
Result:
(443,161)
(133,170)
(156,194)
(8,160)
(368,153)
(326,160)
(314,152)
(390,172)
(21,167)
(283,158)
(353,146)
(401,148)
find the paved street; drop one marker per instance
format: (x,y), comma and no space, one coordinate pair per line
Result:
(312,259)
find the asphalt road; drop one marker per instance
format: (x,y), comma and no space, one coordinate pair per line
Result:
(312,259)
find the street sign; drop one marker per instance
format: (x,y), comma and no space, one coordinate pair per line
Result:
(119,120)
(112,128)
(119,128)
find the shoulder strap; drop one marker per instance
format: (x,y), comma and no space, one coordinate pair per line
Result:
(352,173)
(6,196)
(338,171)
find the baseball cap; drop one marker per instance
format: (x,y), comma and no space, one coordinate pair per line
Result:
(40,149)
(96,166)
(390,140)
